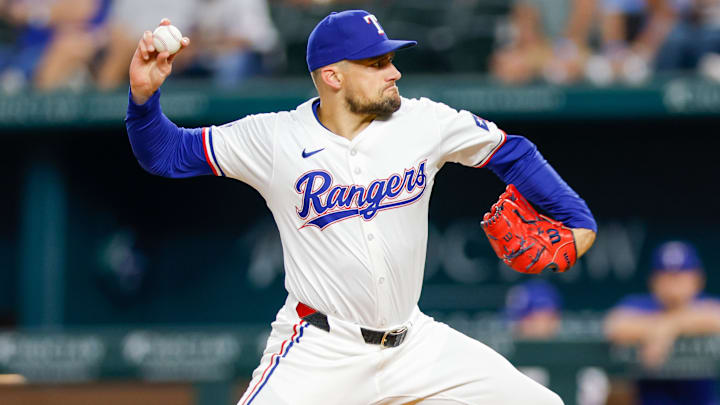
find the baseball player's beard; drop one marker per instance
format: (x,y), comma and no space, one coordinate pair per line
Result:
(385,106)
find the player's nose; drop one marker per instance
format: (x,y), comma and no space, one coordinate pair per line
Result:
(395,74)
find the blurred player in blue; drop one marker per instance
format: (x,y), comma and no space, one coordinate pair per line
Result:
(533,309)
(676,307)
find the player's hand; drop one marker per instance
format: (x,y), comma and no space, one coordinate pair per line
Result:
(658,343)
(149,68)
(525,240)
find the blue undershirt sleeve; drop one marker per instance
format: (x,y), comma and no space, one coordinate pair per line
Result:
(519,162)
(160,146)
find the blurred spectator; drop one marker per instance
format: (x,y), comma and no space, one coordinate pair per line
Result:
(232,37)
(533,310)
(7,35)
(545,41)
(126,26)
(309,3)
(708,36)
(228,37)
(638,37)
(676,307)
(695,36)
(56,41)
(633,32)
(645,36)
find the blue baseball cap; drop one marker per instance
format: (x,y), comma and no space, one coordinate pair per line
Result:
(352,35)
(676,256)
(529,297)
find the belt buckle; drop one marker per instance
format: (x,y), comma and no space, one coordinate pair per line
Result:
(395,332)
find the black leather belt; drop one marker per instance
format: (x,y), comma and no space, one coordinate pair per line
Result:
(390,338)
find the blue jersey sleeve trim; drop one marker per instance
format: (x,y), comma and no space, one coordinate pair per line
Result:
(519,162)
(161,147)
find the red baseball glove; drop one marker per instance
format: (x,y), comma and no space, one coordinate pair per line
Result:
(525,240)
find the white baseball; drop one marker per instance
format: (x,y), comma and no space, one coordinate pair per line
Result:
(167,38)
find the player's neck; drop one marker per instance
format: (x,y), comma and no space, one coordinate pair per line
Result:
(340,121)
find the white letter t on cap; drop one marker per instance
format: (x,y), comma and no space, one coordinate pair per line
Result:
(371,19)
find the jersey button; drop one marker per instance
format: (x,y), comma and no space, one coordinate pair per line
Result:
(370,236)
(381,280)
(357,170)
(353,152)
(383,322)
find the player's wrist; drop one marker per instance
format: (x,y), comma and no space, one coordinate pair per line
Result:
(584,239)
(140,95)
(137,108)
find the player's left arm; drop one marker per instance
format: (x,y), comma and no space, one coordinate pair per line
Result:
(470,140)
(519,162)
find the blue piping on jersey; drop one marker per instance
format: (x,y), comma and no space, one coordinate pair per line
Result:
(212,151)
(315,106)
(277,362)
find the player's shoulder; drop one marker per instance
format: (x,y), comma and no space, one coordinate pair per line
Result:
(304,110)
(303,114)
(705,298)
(424,104)
(249,119)
(639,302)
(264,122)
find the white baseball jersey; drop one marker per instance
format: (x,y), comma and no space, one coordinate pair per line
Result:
(352,214)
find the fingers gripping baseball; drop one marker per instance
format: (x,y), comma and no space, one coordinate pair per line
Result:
(525,240)
(151,65)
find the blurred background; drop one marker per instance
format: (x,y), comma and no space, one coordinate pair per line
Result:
(102,296)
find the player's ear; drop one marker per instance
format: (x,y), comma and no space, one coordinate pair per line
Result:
(331,76)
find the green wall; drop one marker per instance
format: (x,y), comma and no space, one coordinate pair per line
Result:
(130,248)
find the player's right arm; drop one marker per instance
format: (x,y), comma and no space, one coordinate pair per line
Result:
(160,146)
(243,149)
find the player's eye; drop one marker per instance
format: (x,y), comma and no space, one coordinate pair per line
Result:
(381,63)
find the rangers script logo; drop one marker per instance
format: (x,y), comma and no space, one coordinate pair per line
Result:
(330,203)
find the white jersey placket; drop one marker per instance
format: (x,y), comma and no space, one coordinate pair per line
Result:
(360,161)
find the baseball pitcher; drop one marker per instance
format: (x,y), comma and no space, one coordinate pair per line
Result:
(347,176)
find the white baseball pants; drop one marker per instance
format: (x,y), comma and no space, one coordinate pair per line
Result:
(305,365)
